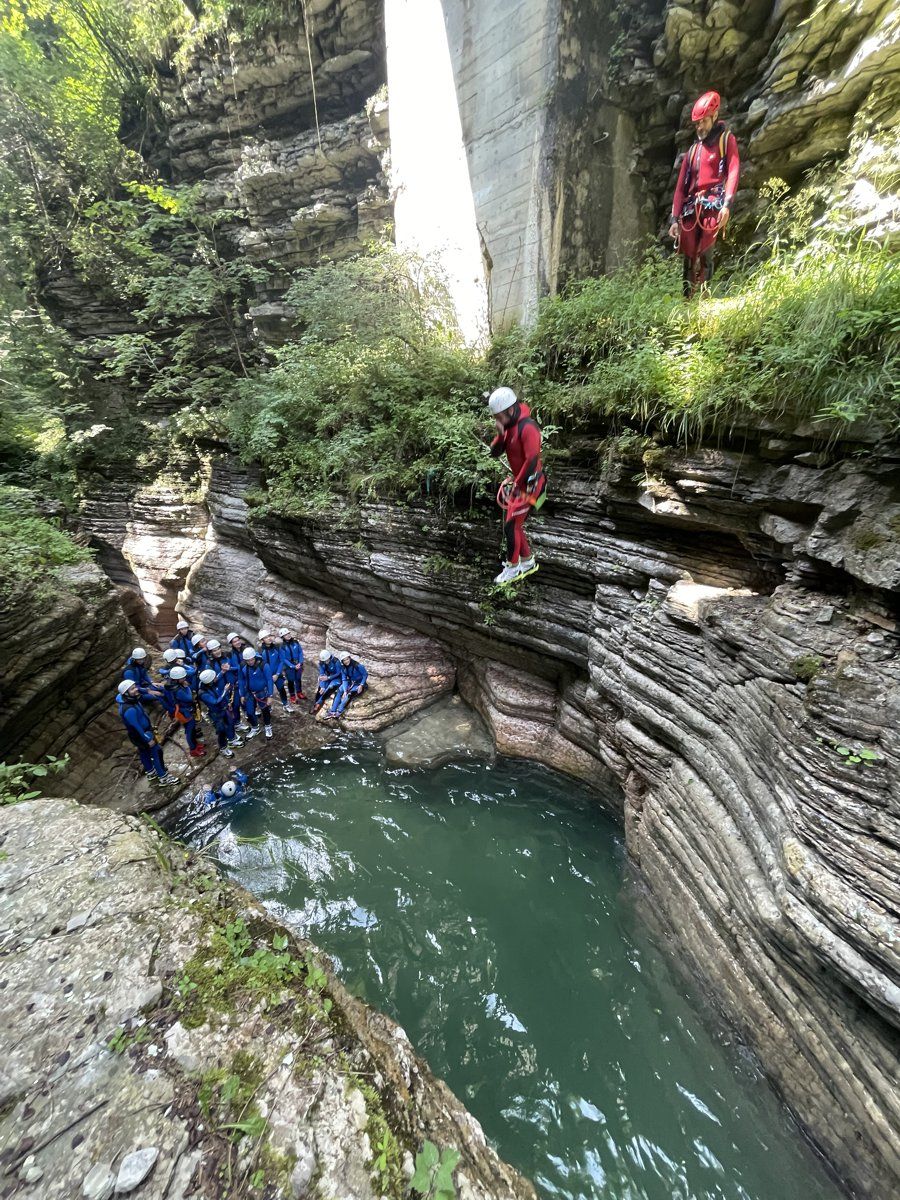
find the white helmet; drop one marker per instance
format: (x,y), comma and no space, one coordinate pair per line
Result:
(213,644)
(182,625)
(324,655)
(125,686)
(139,652)
(197,639)
(178,673)
(501,399)
(283,633)
(172,655)
(232,636)
(207,676)
(265,633)
(229,787)
(249,654)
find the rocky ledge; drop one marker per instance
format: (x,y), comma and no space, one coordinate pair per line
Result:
(163,1037)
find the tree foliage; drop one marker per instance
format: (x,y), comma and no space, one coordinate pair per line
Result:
(376,396)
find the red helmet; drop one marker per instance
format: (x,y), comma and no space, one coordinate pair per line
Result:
(708,103)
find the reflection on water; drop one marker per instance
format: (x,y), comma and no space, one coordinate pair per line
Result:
(488,911)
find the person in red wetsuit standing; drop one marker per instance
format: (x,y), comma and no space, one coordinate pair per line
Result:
(519,438)
(704,194)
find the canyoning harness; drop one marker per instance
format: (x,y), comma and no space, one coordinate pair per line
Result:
(704,208)
(511,499)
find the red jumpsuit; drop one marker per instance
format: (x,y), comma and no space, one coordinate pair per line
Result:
(521,443)
(707,182)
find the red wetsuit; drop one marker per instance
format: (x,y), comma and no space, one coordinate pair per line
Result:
(707,182)
(520,441)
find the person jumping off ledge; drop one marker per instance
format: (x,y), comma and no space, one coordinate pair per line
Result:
(519,438)
(704,194)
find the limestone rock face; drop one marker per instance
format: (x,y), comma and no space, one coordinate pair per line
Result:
(60,663)
(716,642)
(99,1080)
(284,126)
(801,84)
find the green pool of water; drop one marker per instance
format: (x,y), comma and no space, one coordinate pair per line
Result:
(490,912)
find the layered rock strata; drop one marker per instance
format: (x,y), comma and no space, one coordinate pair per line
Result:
(124,1065)
(286,127)
(718,641)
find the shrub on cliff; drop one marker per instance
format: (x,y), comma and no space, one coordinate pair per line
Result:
(31,548)
(377,397)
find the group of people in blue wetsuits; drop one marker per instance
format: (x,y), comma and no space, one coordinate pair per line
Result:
(234,683)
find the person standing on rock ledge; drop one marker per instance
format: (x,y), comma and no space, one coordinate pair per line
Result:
(704,194)
(519,438)
(141,733)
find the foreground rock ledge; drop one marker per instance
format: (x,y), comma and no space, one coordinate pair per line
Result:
(128,1066)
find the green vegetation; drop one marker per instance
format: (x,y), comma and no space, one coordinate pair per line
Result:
(377,395)
(387,1156)
(374,395)
(806,667)
(810,334)
(32,549)
(17,779)
(234,966)
(434,1173)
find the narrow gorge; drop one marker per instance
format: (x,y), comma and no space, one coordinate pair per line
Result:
(710,646)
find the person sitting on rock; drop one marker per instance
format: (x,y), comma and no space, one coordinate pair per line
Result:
(704,194)
(214,694)
(137,669)
(235,658)
(329,679)
(292,659)
(141,733)
(178,697)
(257,687)
(519,438)
(273,658)
(354,680)
(182,640)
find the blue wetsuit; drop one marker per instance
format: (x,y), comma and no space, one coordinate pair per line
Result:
(202,660)
(237,694)
(182,641)
(216,698)
(329,680)
(141,734)
(274,660)
(257,686)
(354,680)
(214,795)
(178,697)
(136,670)
(292,660)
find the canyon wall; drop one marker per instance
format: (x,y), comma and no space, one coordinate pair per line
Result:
(717,643)
(572,116)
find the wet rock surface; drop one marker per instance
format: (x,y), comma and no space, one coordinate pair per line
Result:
(446,732)
(115,1072)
